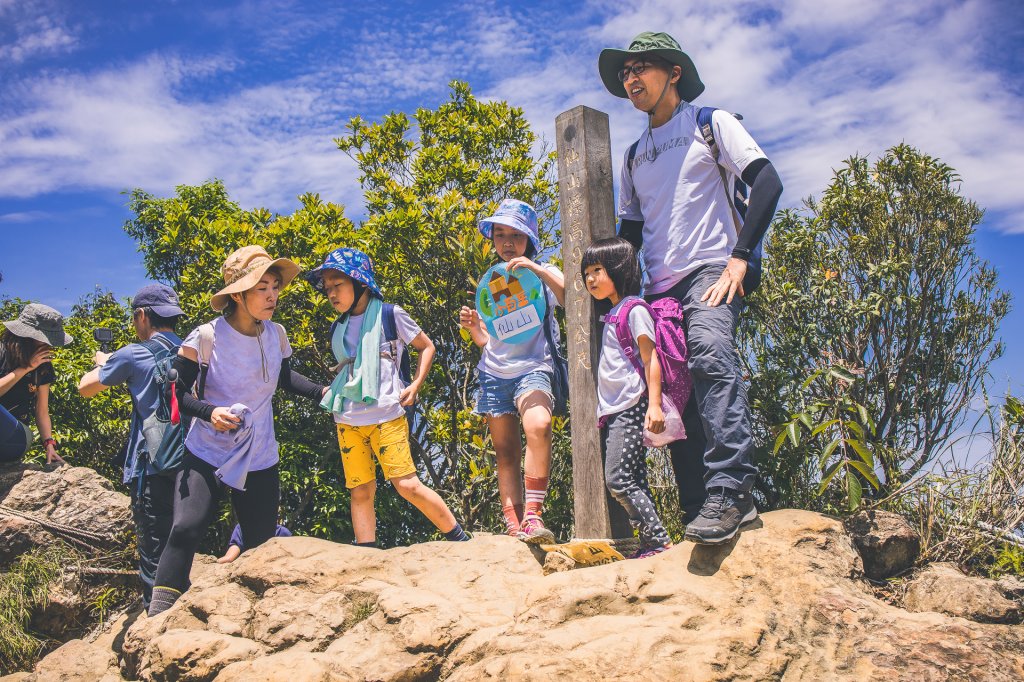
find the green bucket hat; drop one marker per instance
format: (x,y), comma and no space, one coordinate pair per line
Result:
(661,44)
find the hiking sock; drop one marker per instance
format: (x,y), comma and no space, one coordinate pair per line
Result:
(372,544)
(163,599)
(456,534)
(513,514)
(536,491)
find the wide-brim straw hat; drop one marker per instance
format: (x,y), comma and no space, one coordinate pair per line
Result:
(243,269)
(42,323)
(663,45)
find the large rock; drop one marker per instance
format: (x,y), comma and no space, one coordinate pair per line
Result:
(943,588)
(888,545)
(785,601)
(71,496)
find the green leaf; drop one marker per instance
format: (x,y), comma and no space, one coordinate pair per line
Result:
(827,478)
(779,440)
(841,374)
(824,425)
(855,427)
(862,450)
(854,490)
(805,419)
(793,431)
(865,418)
(827,452)
(867,472)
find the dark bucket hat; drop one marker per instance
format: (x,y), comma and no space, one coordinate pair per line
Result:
(661,44)
(42,323)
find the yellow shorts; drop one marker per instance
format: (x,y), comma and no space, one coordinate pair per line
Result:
(388,441)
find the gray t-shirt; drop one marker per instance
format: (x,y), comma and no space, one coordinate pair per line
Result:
(512,360)
(677,190)
(387,406)
(243,369)
(619,385)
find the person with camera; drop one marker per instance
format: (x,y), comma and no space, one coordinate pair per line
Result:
(25,377)
(155,312)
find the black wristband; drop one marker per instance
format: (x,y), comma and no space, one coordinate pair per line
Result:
(742,254)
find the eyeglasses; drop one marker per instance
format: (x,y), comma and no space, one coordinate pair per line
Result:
(636,69)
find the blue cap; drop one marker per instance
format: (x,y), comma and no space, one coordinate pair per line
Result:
(159,298)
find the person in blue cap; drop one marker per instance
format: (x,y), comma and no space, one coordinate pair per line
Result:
(369,397)
(155,313)
(517,380)
(700,245)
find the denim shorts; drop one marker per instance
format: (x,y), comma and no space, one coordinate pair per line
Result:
(497,396)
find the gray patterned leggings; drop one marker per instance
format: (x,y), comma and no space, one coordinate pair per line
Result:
(625,472)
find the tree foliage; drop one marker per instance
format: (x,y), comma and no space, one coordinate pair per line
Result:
(880,277)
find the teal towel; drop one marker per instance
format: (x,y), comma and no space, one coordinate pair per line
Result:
(358,377)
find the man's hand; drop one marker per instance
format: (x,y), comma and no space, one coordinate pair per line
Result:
(408,395)
(100,358)
(728,285)
(223,420)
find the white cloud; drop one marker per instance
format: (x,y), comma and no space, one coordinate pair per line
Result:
(32,33)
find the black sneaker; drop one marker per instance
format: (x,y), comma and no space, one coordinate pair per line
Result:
(721,517)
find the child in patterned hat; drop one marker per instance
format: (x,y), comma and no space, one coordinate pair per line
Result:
(369,397)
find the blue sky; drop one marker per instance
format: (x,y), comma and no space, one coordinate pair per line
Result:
(104,96)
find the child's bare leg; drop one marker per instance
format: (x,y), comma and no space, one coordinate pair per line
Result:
(508,453)
(535,408)
(426,500)
(364,517)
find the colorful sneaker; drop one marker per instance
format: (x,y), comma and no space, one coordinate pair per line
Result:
(534,532)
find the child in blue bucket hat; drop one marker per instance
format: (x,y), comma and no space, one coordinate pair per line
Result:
(369,397)
(518,381)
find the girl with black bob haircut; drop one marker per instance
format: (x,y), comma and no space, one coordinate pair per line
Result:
(619,259)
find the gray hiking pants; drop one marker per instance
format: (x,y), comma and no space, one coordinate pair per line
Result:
(719,453)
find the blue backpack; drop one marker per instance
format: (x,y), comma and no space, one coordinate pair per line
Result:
(736,190)
(165,440)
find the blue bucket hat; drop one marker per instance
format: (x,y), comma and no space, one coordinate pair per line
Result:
(518,215)
(351,262)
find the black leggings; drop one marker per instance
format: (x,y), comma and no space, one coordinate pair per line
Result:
(197,492)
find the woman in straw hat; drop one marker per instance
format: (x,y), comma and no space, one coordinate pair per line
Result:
(230,445)
(25,378)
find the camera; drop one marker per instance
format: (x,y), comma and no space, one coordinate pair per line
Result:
(104,337)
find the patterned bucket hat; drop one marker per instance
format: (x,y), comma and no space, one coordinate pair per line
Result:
(663,45)
(351,262)
(518,215)
(42,323)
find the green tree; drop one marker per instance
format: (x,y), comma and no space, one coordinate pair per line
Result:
(427,181)
(879,277)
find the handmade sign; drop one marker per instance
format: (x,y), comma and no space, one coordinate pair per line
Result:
(512,305)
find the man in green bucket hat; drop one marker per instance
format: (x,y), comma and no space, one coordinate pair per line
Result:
(700,244)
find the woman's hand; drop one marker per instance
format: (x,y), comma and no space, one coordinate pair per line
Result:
(223,420)
(51,454)
(655,419)
(41,356)
(728,285)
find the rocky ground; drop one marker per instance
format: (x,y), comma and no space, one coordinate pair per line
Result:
(786,601)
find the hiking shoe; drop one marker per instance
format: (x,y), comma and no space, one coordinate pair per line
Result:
(721,517)
(533,531)
(647,552)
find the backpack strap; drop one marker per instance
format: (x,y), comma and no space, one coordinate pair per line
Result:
(157,343)
(205,352)
(282,337)
(630,157)
(390,328)
(624,335)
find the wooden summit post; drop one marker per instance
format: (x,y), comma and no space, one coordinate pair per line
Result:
(587,207)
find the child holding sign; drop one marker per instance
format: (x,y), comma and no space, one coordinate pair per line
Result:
(517,366)
(627,403)
(370,394)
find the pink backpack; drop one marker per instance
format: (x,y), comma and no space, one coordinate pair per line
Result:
(670,345)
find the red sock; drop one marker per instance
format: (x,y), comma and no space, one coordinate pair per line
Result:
(513,514)
(536,491)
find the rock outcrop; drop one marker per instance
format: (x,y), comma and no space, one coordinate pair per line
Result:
(942,587)
(888,545)
(786,601)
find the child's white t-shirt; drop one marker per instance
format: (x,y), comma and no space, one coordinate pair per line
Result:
(512,360)
(619,385)
(387,406)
